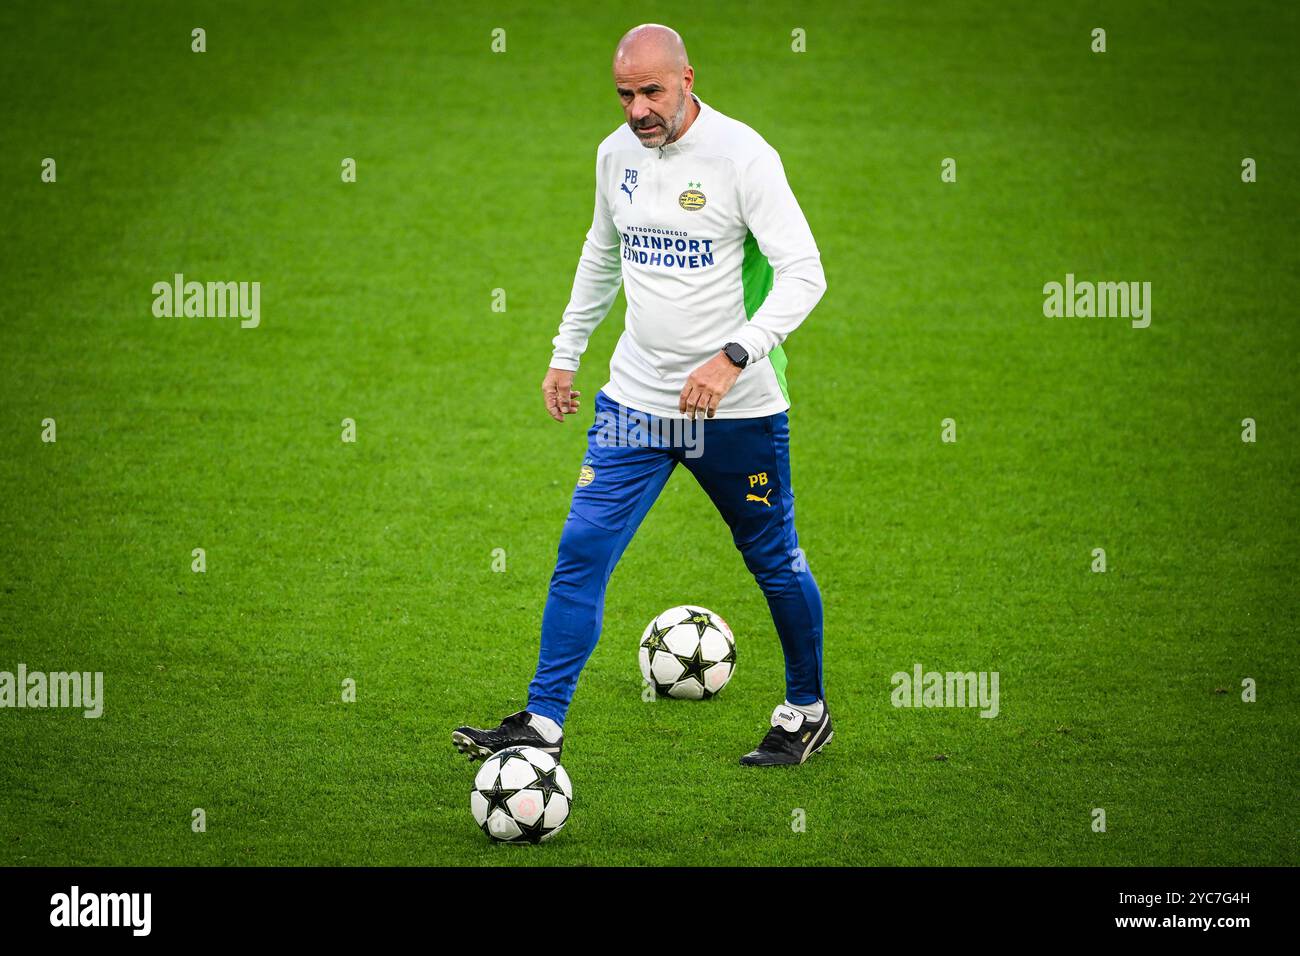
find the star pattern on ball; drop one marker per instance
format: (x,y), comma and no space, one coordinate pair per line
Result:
(701,620)
(512,753)
(654,644)
(730,657)
(694,666)
(545,782)
(654,641)
(531,833)
(496,798)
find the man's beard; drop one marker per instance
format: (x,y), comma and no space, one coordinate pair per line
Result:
(670,127)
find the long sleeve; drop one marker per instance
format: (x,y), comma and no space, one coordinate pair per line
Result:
(595,285)
(778,224)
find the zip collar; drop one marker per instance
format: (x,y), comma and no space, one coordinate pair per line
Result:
(690,137)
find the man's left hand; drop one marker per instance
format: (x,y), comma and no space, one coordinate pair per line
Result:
(707,385)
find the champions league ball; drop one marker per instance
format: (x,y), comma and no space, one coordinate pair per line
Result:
(521,795)
(687,652)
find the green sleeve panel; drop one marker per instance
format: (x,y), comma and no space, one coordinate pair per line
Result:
(756,279)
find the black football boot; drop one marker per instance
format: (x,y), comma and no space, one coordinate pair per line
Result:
(515,731)
(792,740)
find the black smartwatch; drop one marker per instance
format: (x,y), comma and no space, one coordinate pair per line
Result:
(736,352)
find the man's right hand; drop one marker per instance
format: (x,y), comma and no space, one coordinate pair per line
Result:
(558,393)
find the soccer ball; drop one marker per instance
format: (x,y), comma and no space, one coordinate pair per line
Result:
(687,652)
(521,795)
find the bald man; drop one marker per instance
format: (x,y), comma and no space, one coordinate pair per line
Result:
(695,218)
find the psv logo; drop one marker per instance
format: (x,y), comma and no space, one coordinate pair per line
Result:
(692,200)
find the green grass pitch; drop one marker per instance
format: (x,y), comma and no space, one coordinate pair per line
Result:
(373,561)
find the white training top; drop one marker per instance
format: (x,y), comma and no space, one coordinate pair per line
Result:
(711,247)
